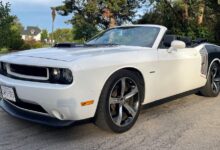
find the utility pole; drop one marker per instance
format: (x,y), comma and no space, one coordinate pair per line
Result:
(53,20)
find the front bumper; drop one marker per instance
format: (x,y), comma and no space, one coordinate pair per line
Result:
(32,116)
(62,102)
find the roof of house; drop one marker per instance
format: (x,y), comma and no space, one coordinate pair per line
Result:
(31,30)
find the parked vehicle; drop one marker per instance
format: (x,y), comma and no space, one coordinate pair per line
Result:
(108,78)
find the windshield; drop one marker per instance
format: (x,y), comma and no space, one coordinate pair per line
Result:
(129,36)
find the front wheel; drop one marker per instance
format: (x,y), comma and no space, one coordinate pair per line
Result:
(120,102)
(212,87)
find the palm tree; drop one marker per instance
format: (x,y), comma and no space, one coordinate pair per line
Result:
(53,20)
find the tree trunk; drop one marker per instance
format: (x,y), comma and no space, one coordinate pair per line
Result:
(201,12)
(109,17)
(112,22)
(186,9)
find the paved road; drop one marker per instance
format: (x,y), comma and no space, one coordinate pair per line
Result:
(191,123)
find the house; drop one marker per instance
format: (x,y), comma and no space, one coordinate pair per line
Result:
(31,33)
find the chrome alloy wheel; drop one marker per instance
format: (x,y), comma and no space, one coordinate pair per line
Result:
(215,79)
(124,102)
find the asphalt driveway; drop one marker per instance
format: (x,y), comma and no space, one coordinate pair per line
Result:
(191,123)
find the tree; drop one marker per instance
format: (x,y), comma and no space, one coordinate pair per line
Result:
(89,16)
(63,35)
(10,28)
(44,36)
(198,18)
(83,29)
(16,42)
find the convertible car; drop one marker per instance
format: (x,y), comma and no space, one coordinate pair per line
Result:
(108,78)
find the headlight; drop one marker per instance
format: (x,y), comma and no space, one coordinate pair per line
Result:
(62,76)
(66,76)
(55,75)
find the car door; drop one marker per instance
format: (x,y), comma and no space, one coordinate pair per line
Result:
(178,71)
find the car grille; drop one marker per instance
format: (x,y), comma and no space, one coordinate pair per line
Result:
(28,72)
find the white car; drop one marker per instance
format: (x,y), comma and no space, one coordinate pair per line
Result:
(108,78)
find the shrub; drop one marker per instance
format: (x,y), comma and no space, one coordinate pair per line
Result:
(34,44)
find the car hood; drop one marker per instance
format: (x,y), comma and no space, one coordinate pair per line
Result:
(71,54)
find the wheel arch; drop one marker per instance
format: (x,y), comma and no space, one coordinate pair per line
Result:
(213,61)
(207,90)
(132,69)
(212,53)
(141,77)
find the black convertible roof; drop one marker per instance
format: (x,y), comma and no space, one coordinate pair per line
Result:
(167,40)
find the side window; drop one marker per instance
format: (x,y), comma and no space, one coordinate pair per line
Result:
(167,40)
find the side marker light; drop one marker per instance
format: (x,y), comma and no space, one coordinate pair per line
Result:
(86,103)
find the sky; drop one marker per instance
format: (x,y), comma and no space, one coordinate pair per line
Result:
(37,13)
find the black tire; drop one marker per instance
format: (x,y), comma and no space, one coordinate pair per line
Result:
(103,118)
(212,87)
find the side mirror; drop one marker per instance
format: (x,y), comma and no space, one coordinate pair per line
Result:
(175,45)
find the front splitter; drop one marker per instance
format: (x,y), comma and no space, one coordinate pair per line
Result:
(39,118)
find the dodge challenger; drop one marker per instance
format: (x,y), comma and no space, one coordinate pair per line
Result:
(107,79)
